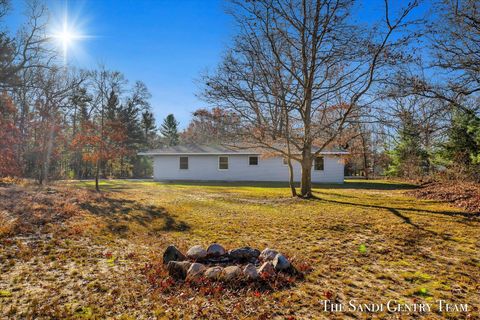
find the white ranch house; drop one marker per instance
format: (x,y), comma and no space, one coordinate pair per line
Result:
(218,163)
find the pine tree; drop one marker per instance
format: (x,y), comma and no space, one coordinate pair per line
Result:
(169,130)
(111,109)
(462,148)
(408,158)
(148,126)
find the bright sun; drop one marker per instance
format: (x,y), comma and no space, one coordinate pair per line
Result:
(66,35)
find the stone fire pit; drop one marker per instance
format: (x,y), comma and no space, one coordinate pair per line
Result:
(217,264)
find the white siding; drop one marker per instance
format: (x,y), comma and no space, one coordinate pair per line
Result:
(205,167)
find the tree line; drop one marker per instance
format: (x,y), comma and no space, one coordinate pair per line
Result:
(300,77)
(59,122)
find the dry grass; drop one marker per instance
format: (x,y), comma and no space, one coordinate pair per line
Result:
(68,252)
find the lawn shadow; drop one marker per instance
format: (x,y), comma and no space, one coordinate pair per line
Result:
(366,185)
(469,217)
(118,213)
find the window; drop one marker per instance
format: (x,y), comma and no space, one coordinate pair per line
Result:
(318,165)
(183,163)
(223,163)
(253,161)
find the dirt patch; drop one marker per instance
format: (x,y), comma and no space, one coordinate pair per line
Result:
(461,194)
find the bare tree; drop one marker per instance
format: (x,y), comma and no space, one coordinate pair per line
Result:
(297,71)
(104,82)
(55,85)
(29,49)
(451,70)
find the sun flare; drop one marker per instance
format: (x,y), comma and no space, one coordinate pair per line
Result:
(66,35)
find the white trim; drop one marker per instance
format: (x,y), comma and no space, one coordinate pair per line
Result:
(228,163)
(253,165)
(195,153)
(225,153)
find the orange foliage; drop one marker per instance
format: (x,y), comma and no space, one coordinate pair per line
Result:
(9,164)
(97,147)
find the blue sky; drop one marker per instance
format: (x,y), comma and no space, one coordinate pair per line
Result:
(165,43)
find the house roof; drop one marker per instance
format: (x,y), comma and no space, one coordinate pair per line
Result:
(196,149)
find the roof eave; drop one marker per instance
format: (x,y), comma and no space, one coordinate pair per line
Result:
(223,153)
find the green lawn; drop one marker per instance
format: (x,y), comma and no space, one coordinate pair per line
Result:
(367,241)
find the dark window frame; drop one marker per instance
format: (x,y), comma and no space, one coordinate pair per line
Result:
(180,163)
(317,165)
(219,163)
(250,162)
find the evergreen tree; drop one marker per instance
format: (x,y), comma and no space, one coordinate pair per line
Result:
(149,127)
(408,158)
(169,130)
(462,148)
(112,107)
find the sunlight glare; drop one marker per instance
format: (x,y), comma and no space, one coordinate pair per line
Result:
(66,36)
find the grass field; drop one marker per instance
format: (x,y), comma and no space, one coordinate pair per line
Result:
(68,252)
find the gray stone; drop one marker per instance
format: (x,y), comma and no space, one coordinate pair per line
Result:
(195,271)
(250,272)
(268,254)
(215,250)
(266,270)
(178,269)
(196,252)
(244,253)
(281,263)
(172,254)
(231,273)
(213,273)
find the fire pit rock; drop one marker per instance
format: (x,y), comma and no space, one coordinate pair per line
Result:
(250,272)
(178,269)
(281,263)
(173,254)
(231,273)
(215,250)
(245,253)
(215,263)
(268,254)
(195,271)
(213,273)
(196,253)
(267,269)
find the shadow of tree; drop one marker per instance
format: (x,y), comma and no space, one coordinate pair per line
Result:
(468,217)
(119,213)
(368,185)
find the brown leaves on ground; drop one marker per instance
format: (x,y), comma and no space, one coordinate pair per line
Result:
(26,210)
(465,195)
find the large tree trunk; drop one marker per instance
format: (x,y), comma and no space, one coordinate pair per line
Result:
(306,183)
(365,156)
(291,181)
(97,173)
